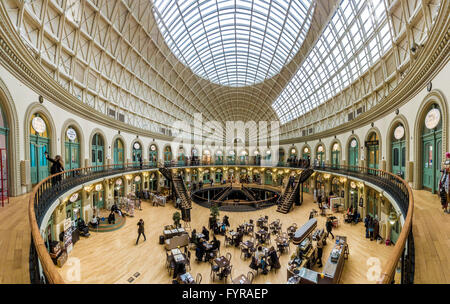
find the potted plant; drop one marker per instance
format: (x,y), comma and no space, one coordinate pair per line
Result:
(176,219)
(214,209)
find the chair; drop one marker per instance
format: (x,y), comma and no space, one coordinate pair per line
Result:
(214,269)
(250,277)
(228,256)
(228,241)
(227,272)
(198,278)
(188,260)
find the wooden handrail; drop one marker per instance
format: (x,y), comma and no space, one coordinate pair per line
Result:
(54,277)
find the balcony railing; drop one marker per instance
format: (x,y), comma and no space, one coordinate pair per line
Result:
(48,190)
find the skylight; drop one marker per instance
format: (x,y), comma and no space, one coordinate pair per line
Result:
(354,39)
(234,42)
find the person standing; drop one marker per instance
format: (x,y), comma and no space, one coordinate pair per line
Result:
(366,224)
(140,230)
(329,226)
(56,167)
(319,252)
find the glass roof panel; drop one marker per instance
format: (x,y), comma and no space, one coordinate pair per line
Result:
(251,39)
(356,36)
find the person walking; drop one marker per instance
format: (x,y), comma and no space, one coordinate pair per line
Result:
(329,226)
(140,230)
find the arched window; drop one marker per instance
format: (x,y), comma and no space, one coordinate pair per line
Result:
(72,149)
(119,153)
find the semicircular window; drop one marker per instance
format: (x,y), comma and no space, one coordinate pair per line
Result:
(234,43)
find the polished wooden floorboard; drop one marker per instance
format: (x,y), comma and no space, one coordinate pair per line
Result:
(113,257)
(14,241)
(431,230)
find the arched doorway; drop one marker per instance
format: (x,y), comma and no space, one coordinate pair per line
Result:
(153,181)
(72,149)
(335,155)
(280,157)
(243,157)
(268,177)
(206,176)
(292,155)
(231,157)
(219,157)
(431,148)
(118,153)
(4,186)
(306,153)
(320,155)
(167,156)
(373,151)
(153,155)
(136,155)
(39,144)
(257,158)
(398,150)
(97,151)
(206,159)
(219,176)
(353,149)
(181,156)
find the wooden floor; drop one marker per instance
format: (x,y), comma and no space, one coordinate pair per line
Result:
(15,236)
(113,257)
(431,230)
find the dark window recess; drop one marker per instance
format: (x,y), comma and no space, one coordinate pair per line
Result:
(304,132)
(350,116)
(310,131)
(361,110)
(121,117)
(112,113)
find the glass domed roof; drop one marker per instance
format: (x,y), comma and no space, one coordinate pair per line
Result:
(234,42)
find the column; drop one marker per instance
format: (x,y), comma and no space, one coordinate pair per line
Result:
(363,210)
(59,215)
(86,205)
(346,194)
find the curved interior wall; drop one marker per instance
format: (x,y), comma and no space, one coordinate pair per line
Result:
(24,100)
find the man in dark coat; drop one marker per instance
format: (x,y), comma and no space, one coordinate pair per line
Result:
(140,230)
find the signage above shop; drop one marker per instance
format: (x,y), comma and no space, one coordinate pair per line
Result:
(293,151)
(353,185)
(336,147)
(219,152)
(98,187)
(71,134)
(371,143)
(399,132)
(306,150)
(231,152)
(119,182)
(137,178)
(38,125)
(73,198)
(320,149)
(432,119)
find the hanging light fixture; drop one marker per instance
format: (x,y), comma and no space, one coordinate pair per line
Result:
(392,217)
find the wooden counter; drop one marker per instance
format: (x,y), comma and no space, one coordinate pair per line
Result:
(333,270)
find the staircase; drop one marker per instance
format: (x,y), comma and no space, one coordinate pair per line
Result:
(221,195)
(292,192)
(178,187)
(248,193)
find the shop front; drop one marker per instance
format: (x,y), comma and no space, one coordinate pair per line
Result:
(119,154)
(153,155)
(335,155)
(219,158)
(373,156)
(97,150)
(137,154)
(98,197)
(431,149)
(219,176)
(353,150)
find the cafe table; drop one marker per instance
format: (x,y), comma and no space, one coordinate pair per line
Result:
(222,262)
(241,279)
(175,251)
(186,278)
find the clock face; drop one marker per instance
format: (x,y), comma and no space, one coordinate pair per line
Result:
(119,182)
(153,147)
(137,178)
(335,147)
(399,132)
(353,143)
(137,145)
(353,185)
(320,149)
(306,150)
(432,119)
(293,151)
